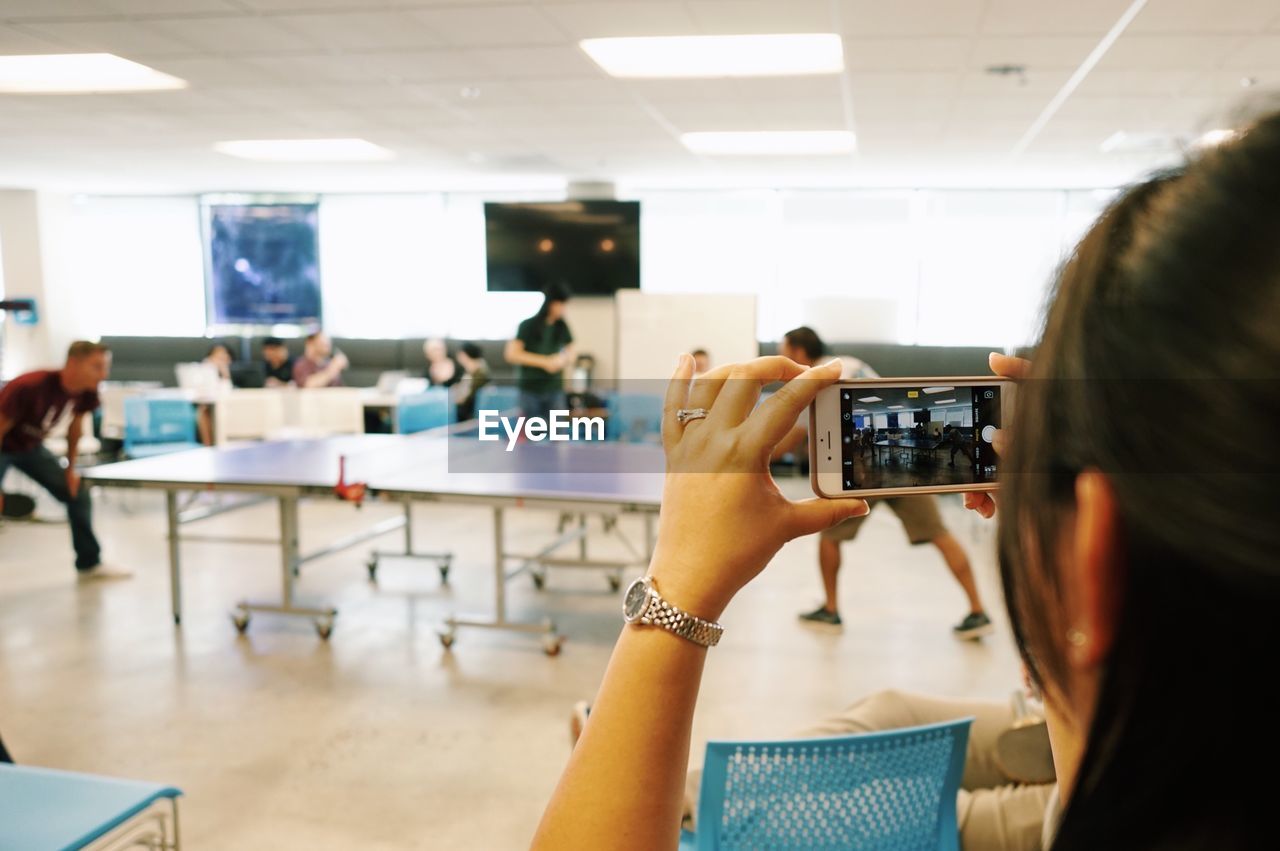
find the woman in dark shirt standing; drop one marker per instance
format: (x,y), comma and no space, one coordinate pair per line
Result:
(542,347)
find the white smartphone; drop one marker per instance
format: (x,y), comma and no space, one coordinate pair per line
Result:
(899,436)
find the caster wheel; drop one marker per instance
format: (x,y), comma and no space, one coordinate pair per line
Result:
(539,580)
(446,640)
(241,623)
(615,583)
(372,566)
(551,645)
(324,629)
(444,571)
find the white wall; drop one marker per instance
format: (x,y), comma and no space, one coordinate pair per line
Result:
(910,266)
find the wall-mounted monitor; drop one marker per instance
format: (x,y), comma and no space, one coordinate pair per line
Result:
(590,247)
(261,262)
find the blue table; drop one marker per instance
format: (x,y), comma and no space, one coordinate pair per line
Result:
(576,480)
(46,810)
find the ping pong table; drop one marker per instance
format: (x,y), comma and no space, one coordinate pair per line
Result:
(909,444)
(573,479)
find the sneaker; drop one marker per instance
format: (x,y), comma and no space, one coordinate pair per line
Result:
(102,572)
(974,626)
(823,619)
(578,720)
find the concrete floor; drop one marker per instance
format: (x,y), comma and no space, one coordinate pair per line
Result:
(380,740)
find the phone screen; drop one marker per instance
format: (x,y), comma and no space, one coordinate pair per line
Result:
(903,437)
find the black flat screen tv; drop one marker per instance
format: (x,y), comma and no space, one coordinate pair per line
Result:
(589,247)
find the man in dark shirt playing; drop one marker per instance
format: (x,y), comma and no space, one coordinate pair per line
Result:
(277,363)
(30,406)
(543,346)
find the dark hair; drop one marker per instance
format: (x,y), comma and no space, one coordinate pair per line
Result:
(806,340)
(84,348)
(312,336)
(1168,308)
(472,351)
(219,345)
(272,342)
(551,294)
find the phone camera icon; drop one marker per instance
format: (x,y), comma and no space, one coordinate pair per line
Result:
(848,415)
(990,394)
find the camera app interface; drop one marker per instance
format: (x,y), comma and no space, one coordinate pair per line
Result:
(901,437)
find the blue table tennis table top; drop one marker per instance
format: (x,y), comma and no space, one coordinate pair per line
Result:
(407,467)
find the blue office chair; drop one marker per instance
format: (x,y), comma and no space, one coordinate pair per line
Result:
(158,426)
(46,810)
(421,411)
(634,418)
(497,397)
(889,791)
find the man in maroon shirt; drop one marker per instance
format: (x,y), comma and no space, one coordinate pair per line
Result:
(319,365)
(30,405)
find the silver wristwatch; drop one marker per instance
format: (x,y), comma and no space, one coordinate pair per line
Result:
(642,604)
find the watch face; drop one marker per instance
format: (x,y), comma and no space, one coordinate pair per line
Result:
(634,602)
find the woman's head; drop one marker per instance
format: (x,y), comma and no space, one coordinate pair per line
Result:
(1140,547)
(219,354)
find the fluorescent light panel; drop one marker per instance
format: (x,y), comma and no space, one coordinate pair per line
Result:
(771,143)
(931,390)
(945,402)
(896,407)
(717,55)
(304,150)
(870,399)
(80,73)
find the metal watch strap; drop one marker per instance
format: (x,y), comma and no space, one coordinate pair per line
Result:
(662,614)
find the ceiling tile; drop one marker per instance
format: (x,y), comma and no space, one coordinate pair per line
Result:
(536,62)
(17,40)
(1032,51)
(360,31)
(1160,53)
(1196,17)
(124,38)
(910,17)
(609,19)
(491,25)
(734,17)
(1079,17)
(233,35)
(1260,53)
(906,54)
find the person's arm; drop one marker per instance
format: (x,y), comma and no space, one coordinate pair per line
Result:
(74,432)
(721,522)
(516,354)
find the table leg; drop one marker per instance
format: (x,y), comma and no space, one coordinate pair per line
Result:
(175,565)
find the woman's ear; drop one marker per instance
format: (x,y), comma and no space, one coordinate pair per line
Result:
(1097,581)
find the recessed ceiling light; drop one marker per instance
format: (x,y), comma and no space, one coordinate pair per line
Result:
(896,407)
(770,143)
(870,399)
(718,55)
(80,73)
(945,402)
(1213,138)
(304,150)
(861,411)
(931,390)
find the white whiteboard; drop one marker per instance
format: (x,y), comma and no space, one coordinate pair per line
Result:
(654,328)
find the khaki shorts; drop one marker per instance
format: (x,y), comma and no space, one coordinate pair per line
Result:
(919,516)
